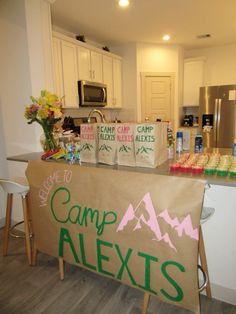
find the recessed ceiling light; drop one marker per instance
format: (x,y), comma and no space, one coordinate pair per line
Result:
(123,3)
(166,37)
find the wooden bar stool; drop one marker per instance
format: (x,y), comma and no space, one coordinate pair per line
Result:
(206,214)
(13,187)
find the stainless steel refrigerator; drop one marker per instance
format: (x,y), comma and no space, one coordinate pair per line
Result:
(217,115)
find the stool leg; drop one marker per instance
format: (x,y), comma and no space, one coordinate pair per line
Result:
(203,260)
(34,254)
(27,233)
(197,311)
(61,268)
(7,226)
(146,299)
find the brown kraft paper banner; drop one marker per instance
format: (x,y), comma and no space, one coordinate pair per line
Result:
(140,229)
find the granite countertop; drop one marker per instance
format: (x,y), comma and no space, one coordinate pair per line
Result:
(163,169)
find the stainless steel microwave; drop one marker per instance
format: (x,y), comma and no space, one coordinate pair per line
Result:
(92,94)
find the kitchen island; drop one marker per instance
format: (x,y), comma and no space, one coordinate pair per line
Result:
(163,169)
(219,232)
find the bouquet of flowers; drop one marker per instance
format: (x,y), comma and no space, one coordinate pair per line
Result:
(47,111)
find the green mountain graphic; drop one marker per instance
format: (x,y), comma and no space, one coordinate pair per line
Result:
(105,147)
(124,148)
(87,147)
(144,150)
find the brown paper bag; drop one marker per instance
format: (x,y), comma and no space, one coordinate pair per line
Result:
(150,144)
(107,143)
(88,140)
(125,144)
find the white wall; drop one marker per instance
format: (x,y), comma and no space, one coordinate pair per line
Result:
(220,66)
(141,57)
(129,82)
(161,59)
(21,75)
(3,166)
(14,82)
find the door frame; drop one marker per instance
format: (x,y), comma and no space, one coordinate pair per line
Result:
(171,75)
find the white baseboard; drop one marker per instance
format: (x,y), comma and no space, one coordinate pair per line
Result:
(223,293)
(2,222)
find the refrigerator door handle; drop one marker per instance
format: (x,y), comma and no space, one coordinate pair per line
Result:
(218,121)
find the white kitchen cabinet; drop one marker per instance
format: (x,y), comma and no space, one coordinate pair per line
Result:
(117,82)
(112,78)
(219,234)
(74,60)
(70,74)
(89,65)
(96,66)
(57,67)
(108,78)
(84,64)
(193,80)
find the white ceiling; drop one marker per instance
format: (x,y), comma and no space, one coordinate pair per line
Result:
(147,20)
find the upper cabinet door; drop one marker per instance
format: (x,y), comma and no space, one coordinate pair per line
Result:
(108,78)
(74,61)
(84,64)
(112,78)
(193,80)
(57,68)
(70,74)
(89,65)
(96,67)
(117,82)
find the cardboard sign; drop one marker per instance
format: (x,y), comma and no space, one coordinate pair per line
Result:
(136,228)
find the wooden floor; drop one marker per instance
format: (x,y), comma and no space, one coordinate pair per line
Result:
(25,289)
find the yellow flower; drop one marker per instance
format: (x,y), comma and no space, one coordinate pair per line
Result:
(51,99)
(41,101)
(42,114)
(47,107)
(57,113)
(27,113)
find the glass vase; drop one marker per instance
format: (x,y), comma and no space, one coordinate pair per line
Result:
(48,142)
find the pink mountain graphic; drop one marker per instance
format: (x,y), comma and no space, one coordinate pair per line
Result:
(165,215)
(185,227)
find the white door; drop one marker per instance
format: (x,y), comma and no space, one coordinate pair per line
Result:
(156,98)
